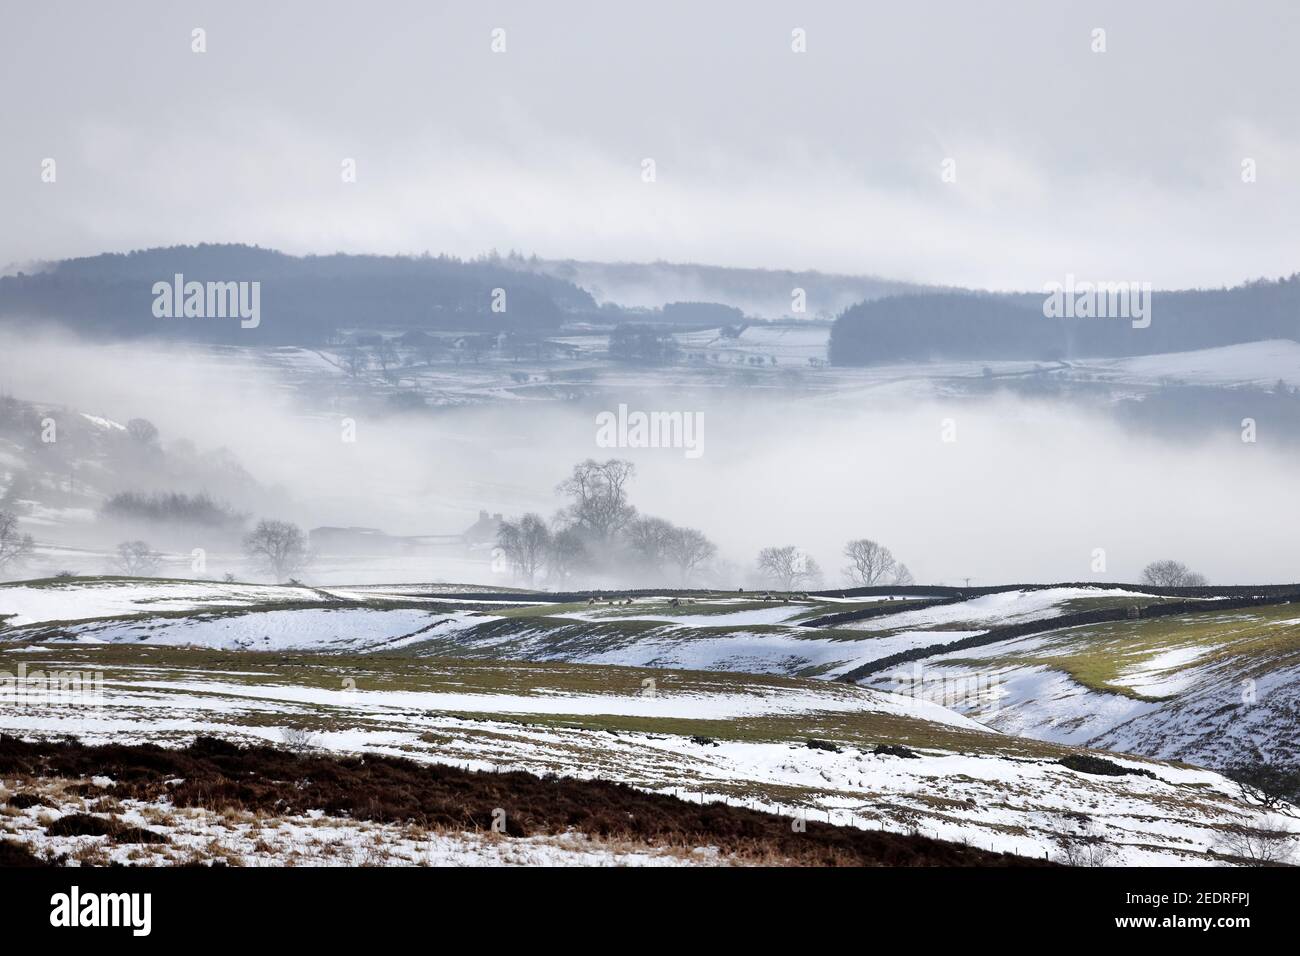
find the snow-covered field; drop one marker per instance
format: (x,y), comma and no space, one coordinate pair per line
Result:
(743,740)
(229,616)
(171,660)
(1215,688)
(1251,363)
(718,633)
(768,639)
(993,610)
(86,599)
(336,629)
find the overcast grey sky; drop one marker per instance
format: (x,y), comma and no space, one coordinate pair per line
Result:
(1123,164)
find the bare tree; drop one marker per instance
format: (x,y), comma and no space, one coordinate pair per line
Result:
(355,361)
(1171,574)
(1272,786)
(1084,849)
(1087,846)
(599,492)
(870,563)
(788,567)
(778,565)
(689,549)
(1257,847)
(387,359)
(902,576)
(15,547)
(279,547)
(526,543)
(136,559)
(298,740)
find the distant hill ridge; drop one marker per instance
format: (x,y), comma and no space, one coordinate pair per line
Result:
(307,300)
(980,325)
(304,299)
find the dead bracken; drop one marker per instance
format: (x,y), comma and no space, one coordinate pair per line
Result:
(220,776)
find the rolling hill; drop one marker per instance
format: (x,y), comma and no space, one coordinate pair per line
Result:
(995,688)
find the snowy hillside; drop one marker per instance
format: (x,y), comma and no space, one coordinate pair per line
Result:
(727,632)
(1214,688)
(966,744)
(824,750)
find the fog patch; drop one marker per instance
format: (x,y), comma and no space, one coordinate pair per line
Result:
(1026,490)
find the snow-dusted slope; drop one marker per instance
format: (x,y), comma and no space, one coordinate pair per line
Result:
(226,616)
(330,629)
(1213,688)
(1250,363)
(82,599)
(1176,687)
(759,637)
(813,748)
(996,610)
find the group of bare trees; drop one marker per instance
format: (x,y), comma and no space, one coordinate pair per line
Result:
(278,548)
(871,564)
(390,356)
(383,355)
(599,531)
(659,544)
